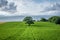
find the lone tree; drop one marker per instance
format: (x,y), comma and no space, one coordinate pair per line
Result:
(29,20)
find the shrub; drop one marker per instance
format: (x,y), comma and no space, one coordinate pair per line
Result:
(55,19)
(43,19)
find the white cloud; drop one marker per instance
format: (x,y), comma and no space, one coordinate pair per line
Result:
(4,13)
(28,7)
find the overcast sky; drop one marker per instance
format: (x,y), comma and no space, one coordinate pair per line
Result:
(29,7)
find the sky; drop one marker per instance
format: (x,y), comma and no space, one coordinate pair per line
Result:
(29,7)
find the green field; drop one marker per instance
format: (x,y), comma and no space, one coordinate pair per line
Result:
(37,31)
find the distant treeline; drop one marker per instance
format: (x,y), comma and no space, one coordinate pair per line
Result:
(53,19)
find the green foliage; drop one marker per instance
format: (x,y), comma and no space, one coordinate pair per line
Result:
(29,20)
(55,19)
(43,19)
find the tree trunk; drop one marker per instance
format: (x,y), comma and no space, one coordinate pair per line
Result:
(29,24)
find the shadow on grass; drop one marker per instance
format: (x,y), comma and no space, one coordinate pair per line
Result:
(37,25)
(10,38)
(1,38)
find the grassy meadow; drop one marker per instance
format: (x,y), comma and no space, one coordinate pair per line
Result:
(37,31)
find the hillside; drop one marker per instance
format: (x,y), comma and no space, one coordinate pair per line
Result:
(37,31)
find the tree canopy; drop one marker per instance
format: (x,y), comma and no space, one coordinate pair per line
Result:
(29,20)
(55,19)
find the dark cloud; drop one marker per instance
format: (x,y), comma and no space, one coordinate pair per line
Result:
(41,1)
(9,7)
(53,7)
(3,3)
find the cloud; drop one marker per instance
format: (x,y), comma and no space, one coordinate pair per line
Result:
(3,3)
(53,7)
(32,7)
(8,7)
(3,13)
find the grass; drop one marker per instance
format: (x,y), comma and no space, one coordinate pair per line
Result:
(37,31)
